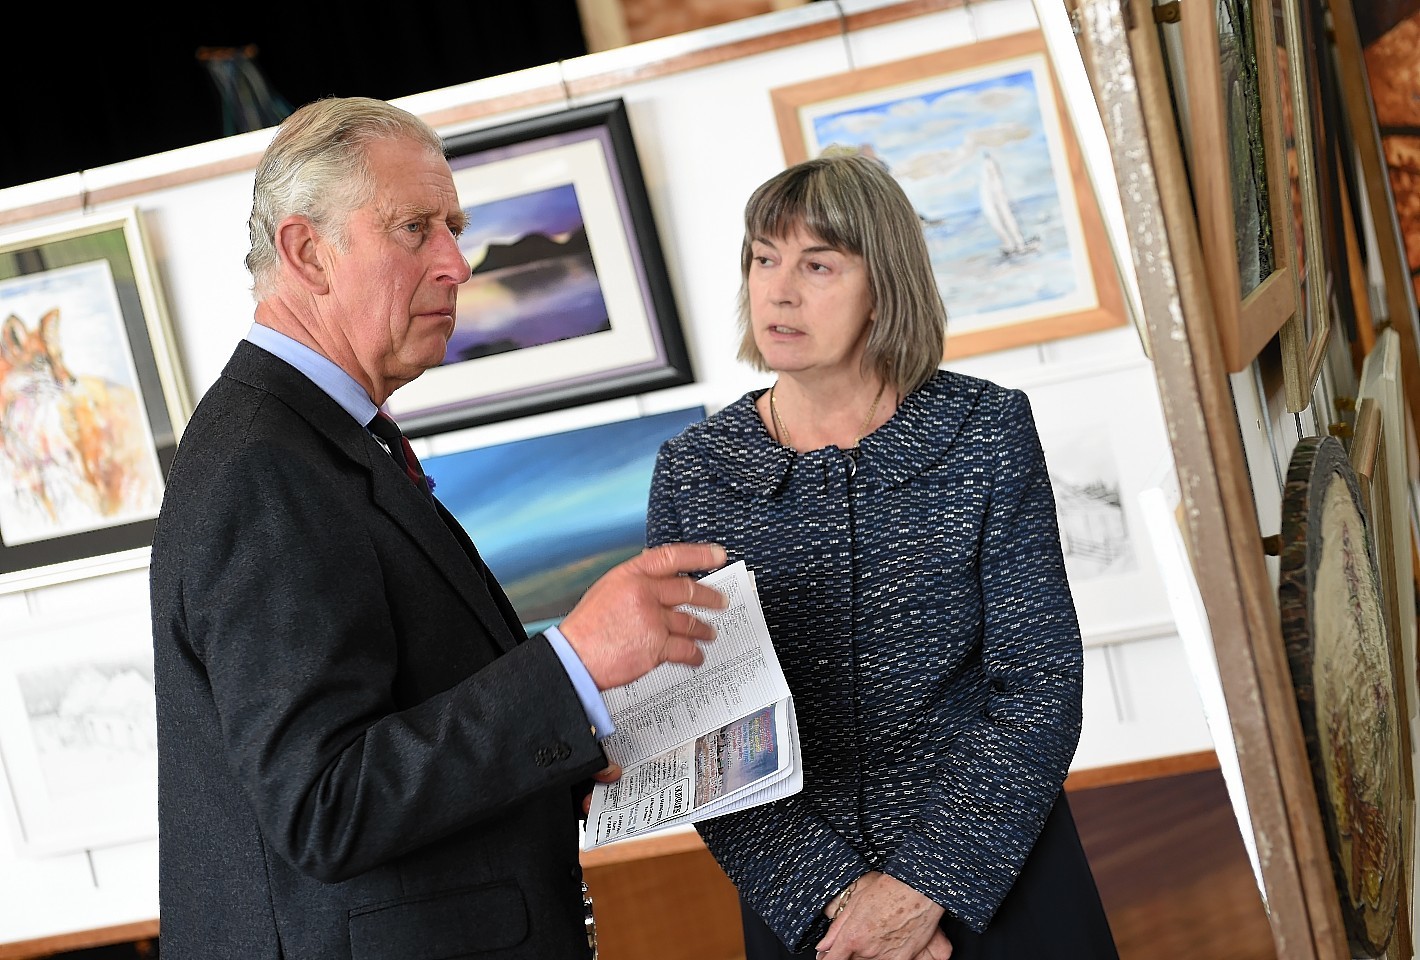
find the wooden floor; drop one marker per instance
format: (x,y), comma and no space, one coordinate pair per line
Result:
(1172,869)
(1166,853)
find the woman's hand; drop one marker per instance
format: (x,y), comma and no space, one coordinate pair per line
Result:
(885,919)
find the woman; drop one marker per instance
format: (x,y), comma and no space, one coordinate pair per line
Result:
(900,524)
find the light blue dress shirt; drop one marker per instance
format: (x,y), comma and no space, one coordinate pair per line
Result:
(353,399)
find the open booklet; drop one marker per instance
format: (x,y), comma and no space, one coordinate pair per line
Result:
(698,742)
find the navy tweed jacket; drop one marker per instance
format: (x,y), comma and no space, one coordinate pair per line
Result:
(918,602)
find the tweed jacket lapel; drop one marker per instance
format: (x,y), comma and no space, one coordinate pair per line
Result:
(441,540)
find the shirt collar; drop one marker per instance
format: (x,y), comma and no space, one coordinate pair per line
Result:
(320,370)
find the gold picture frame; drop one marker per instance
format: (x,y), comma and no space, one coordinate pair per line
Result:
(1017,238)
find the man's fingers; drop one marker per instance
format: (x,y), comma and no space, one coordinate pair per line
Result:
(681,650)
(610,775)
(670,558)
(687,591)
(682,624)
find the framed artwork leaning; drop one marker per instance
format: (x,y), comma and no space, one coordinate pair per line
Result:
(92,400)
(1231,98)
(1344,673)
(976,138)
(569,302)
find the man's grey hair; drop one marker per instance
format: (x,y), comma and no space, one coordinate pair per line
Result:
(316,167)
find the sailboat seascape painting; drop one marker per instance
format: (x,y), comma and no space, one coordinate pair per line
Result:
(975,159)
(975,138)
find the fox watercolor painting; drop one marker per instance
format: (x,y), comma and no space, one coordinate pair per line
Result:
(75,449)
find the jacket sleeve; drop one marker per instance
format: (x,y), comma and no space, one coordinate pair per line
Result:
(1002,774)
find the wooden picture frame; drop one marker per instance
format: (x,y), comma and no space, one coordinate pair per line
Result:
(570,302)
(1374,182)
(1348,695)
(92,400)
(1371,457)
(1005,167)
(1305,338)
(1380,388)
(1120,44)
(1231,113)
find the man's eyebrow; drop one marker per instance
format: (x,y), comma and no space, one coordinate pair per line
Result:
(458,222)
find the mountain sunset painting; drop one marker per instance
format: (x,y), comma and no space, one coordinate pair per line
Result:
(534,280)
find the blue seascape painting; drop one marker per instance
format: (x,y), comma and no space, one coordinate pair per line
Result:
(975,159)
(551,514)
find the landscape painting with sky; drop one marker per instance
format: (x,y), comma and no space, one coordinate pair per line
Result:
(534,280)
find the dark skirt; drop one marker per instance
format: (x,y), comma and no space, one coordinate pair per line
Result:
(1053,910)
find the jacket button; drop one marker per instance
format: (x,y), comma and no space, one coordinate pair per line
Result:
(563,751)
(543,757)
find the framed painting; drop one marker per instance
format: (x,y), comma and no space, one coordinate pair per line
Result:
(552,513)
(1121,47)
(569,301)
(1378,452)
(1371,181)
(1228,95)
(975,138)
(1305,340)
(1369,458)
(78,734)
(1103,434)
(92,401)
(1343,671)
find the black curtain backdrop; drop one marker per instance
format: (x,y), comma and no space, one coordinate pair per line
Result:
(93,89)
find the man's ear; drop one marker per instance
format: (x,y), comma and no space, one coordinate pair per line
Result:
(299,246)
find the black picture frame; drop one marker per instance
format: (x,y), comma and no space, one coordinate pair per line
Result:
(92,400)
(570,302)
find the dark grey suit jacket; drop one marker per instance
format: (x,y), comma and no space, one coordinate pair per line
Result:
(359,755)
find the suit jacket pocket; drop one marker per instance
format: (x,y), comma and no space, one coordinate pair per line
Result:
(439,926)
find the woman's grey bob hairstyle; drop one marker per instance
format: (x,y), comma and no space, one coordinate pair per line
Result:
(850,202)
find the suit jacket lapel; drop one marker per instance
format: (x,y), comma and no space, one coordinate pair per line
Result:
(391,490)
(444,546)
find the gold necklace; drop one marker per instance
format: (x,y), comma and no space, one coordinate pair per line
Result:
(783,431)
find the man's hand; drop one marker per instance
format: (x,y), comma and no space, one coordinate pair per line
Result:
(610,775)
(627,623)
(886,919)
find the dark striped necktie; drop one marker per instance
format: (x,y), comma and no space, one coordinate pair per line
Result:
(384,427)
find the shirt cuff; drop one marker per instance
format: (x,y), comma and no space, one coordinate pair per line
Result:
(582,681)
